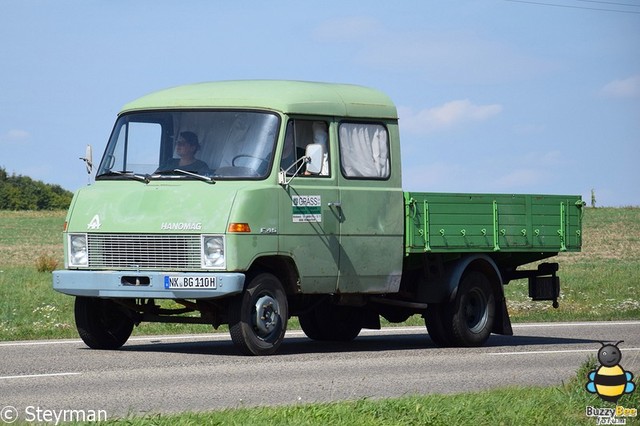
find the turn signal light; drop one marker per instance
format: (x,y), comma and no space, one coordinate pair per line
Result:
(239,227)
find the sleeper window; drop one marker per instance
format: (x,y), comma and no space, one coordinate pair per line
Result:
(364,150)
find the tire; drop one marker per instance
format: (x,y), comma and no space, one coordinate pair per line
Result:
(328,322)
(101,323)
(437,324)
(258,317)
(471,315)
(310,326)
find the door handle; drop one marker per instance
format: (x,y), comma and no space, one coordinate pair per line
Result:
(338,209)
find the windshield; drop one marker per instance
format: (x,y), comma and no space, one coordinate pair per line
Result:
(219,144)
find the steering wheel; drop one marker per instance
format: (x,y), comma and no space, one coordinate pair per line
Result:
(263,163)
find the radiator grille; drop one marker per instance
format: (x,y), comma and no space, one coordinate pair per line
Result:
(144,251)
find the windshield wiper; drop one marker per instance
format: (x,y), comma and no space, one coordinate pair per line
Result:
(128,175)
(203,178)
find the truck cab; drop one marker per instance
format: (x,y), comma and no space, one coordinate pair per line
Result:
(247,205)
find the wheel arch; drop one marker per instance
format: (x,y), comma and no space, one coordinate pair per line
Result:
(283,267)
(477,262)
(486,265)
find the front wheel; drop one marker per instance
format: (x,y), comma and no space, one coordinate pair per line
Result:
(101,323)
(258,317)
(472,313)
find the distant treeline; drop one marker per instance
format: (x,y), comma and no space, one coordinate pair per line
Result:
(23,193)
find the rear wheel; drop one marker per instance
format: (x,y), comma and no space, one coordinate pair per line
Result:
(471,315)
(258,317)
(101,323)
(332,322)
(437,324)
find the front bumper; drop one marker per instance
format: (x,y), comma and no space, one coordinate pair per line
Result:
(116,284)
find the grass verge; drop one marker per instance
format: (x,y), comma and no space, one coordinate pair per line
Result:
(565,405)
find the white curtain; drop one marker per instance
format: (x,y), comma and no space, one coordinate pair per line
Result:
(364,150)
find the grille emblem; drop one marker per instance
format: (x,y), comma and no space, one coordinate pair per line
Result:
(95,223)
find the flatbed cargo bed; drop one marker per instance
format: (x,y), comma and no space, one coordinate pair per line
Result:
(445,223)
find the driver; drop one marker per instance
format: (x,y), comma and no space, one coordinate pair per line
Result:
(186,147)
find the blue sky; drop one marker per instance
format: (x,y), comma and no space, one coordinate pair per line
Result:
(493,95)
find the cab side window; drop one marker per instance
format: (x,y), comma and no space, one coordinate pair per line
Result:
(364,150)
(299,134)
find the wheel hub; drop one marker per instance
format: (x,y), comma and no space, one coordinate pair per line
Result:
(267,314)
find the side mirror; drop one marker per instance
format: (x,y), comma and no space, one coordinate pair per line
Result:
(312,161)
(88,159)
(315,156)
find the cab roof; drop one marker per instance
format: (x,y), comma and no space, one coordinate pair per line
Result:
(289,97)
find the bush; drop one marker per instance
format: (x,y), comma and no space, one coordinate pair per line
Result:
(23,193)
(46,263)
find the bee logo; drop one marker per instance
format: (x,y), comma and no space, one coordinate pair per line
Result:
(610,381)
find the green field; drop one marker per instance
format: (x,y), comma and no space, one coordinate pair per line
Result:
(600,283)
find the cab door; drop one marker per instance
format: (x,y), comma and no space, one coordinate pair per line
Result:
(309,227)
(371,208)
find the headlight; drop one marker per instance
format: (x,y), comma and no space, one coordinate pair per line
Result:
(213,252)
(77,253)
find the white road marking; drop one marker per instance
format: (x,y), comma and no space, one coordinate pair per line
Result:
(554,352)
(300,333)
(579,324)
(32,376)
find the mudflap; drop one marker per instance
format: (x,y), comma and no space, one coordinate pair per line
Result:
(502,322)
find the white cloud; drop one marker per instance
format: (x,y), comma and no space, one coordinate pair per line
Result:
(347,29)
(438,56)
(426,177)
(521,178)
(488,174)
(548,159)
(448,115)
(15,136)
(626,88)
(529,179)
(529,129)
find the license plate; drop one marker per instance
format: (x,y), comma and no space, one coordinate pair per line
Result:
(196,282)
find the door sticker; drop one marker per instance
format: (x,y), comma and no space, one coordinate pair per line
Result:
(306,208)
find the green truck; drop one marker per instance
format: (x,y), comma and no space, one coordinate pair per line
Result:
(250,202)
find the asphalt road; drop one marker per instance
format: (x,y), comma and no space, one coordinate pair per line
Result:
(204,372)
